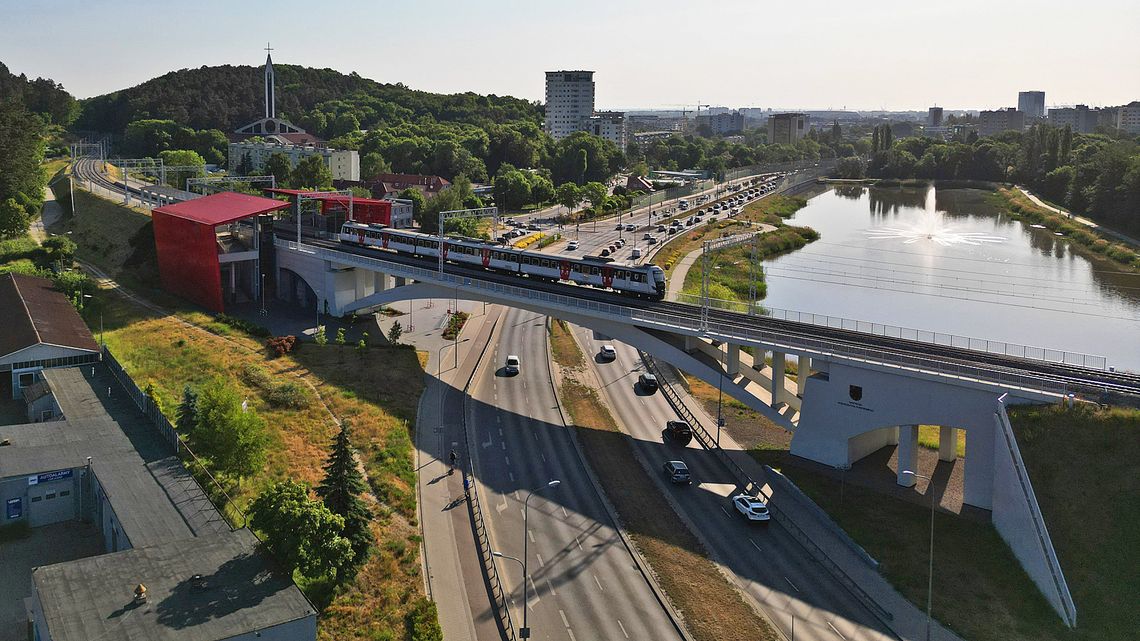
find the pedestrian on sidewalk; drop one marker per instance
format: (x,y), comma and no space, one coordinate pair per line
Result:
(466,486)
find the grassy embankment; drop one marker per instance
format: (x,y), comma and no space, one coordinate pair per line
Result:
(712,608)
(1082,463)
(730,277)
(1019,206)
(378,392)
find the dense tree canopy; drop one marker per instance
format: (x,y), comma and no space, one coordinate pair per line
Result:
(22,178)
(149,138)
(41,96)
(302,534)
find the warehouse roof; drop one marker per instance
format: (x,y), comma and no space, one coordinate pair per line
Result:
(211,587)
(221,208)
(39,316)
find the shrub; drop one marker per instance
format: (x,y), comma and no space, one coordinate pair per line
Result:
(291,395)
(281,345)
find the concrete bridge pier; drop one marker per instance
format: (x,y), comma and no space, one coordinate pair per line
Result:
(732,367)
(803,371)
(947,443)
(908,455)
(381,282)
(778,363)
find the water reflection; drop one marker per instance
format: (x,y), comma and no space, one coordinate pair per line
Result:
(1033,288)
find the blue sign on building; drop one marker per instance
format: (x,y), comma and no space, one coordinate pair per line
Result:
(47,477)
(15,508)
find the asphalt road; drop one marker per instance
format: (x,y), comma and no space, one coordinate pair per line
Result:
(763,559)
(585,584)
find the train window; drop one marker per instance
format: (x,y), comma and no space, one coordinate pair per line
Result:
(575,268)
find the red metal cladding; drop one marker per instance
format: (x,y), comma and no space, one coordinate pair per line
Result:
(607,276)
(384,239)
(486,254)
(188,260)
(564,269)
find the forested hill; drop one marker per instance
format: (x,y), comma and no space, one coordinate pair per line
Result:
(227,97)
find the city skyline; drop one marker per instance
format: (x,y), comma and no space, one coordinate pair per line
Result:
(632,48)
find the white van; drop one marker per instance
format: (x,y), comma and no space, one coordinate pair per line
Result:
(636,253)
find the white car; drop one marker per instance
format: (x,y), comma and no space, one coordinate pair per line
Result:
(512,365)
(572,245)
(751,507)
(608,352)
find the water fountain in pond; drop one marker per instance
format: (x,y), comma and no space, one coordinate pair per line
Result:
(931,227)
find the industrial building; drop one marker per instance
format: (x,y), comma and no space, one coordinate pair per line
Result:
(209,248)
(103,462)
(787,128)
(41,329)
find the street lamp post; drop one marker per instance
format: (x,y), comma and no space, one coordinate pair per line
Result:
(516,560)
(524,631)
(930,573)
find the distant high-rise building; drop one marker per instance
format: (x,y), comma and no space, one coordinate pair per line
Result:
(787,128)
(995,122)
(610,125)
(723,123)
(1032,104)
(1081,119)
(569,101)
(1128,118)
(934,117)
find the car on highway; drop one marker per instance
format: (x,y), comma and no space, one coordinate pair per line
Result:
(534,227)
(605,252)
(646,236)
(631,227)
(680,432)
(652,240)
(608,352)
(619,227)
(648,382)
(677,472)
(513,365)
(751,508)
(635,253)
(662,227)
(572,245)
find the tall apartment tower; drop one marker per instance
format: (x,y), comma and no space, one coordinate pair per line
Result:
(569,101)
(934,117)
(1032,104)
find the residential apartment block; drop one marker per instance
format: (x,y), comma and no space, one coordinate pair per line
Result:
(343,163)
(787,128)
(999,120)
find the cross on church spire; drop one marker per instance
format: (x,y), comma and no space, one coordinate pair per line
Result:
(267,47)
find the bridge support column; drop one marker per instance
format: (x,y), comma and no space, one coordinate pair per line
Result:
(401,281)
(732,367)
(778,362)
(947,443)
(691,343)
(908,455)
(803,371)
(381,283)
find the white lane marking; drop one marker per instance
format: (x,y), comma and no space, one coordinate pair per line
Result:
(512,475)
(534,590)
(500,431)
(504,444)
(543,458)
(749,540)
(836,631)
(531,535)
(507,459)
(515,494)
(571,633)
(564,514)
(564,621)
(599,583)
(541,564)
(551,587)
(791,584)
(578,542)
(725,512)
(622,629)
(503,506)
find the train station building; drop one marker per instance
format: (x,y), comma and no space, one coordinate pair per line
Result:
(210,248)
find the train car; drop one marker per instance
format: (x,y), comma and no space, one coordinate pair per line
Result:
(646,281)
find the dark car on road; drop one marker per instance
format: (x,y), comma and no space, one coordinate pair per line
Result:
(679,432)
(648,383)
(677,472)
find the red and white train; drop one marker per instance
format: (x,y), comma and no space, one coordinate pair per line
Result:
(643,281)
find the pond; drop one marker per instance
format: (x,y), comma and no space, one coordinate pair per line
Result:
(948,260)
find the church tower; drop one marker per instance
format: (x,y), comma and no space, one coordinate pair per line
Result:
(270,99)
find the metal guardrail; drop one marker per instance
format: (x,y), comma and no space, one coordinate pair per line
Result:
(672,322)
(151,410)
(750,485)
(1042,533)
(1003,348)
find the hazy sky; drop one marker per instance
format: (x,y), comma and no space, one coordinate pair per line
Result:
(660,53)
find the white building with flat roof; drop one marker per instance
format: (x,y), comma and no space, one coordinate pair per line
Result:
(343,163)
(610,125)
(569,101)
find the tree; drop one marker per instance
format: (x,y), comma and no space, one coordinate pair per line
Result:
(192,160)
(14,219)
(372,165)
(568,195)
(187,416)
(302,534)
(311,173)
(245,165)
(541,189)
(59,249)
(320,337)
(836,132)
(595,193)
(279,167)
(851,168)
(512,188)
(340,339)
(458,196)
(395,332)
(341,489)
(232,436)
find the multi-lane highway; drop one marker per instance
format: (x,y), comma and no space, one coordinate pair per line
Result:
(764,560)
(584,581)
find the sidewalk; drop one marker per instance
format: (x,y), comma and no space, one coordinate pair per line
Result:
(453,574)
(909,622)
(49,215)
